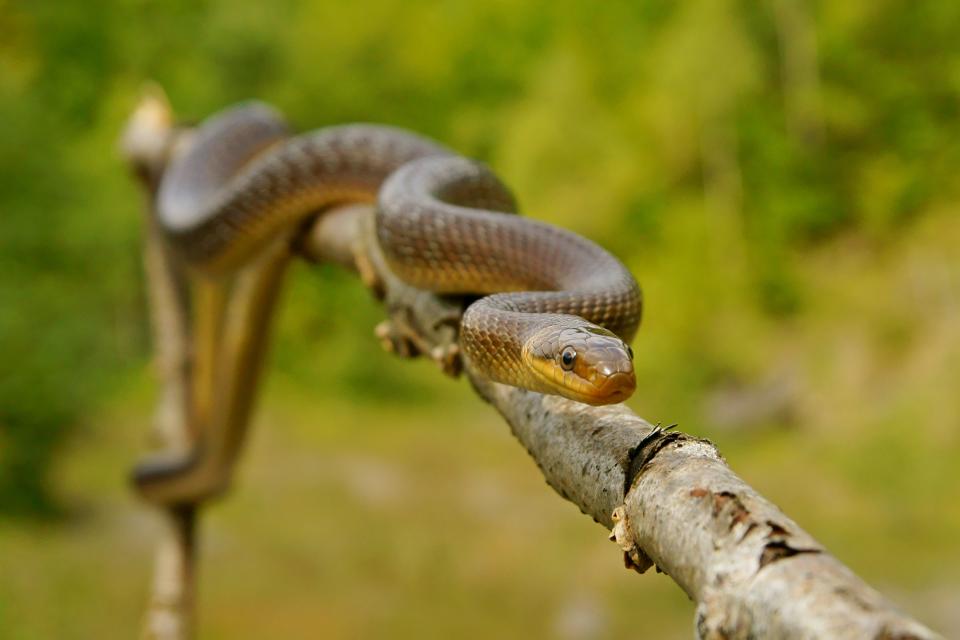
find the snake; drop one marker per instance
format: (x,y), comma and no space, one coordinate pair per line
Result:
(551,311)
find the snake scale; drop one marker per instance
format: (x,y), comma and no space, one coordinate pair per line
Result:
(556,311)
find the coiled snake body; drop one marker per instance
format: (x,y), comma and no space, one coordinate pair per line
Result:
(562,309)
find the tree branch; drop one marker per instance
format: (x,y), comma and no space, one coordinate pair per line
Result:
(669,498)
(149,136)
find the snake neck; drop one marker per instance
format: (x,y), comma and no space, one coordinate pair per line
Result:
(495,340)
(515,338)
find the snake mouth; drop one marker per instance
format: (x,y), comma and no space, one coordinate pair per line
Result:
(614,388)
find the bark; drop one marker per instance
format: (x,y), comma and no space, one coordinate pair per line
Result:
(673,502)
(146,142)
(169,615)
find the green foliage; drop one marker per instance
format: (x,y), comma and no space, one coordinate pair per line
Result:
(708,142)
(69,305)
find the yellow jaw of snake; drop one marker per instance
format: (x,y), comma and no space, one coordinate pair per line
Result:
(587,364)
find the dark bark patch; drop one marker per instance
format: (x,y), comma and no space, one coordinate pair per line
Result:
(778,550)
(776,531)
(637,560)
(644,451)
(727,501)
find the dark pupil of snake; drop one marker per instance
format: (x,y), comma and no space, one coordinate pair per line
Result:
(567,357)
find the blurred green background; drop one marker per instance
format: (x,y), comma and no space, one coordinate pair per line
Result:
(781,176)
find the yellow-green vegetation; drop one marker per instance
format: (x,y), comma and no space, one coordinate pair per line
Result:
(782,177)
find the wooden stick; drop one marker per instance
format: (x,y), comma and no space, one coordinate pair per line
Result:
(148,139)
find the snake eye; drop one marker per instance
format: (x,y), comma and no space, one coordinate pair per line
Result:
(629,352)
(567,357)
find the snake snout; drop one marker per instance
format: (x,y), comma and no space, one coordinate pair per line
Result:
(608,361)
(616,387)
(607,369)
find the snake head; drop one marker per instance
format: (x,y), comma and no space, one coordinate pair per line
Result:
(586,363)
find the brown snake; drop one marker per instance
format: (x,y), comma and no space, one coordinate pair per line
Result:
(562,309)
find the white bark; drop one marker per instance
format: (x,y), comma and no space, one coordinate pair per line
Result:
(673,502)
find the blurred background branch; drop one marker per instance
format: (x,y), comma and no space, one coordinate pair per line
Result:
(147,140)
